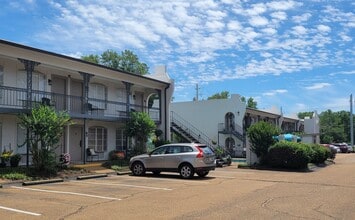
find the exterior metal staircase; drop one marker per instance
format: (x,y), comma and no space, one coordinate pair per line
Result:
(189,132)
(237,131)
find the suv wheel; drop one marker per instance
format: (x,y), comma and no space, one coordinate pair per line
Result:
(138,169)
(202,173)
(186,171)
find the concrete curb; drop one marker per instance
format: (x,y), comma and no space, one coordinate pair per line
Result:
(36,182)
(91,176)
(124,173)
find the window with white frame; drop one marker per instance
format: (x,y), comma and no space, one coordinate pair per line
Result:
(38,83)
(38,80)
(121,139)
(98,139)
(98,92)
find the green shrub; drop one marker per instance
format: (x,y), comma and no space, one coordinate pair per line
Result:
(158,142)
(320,153)
(332,153)
(15,173)
(15,176)
(261,138)
(289,155)
(120,163)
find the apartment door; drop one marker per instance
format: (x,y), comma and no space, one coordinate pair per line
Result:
(76,143)
(59,85)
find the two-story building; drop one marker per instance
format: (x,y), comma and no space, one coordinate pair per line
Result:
(224,122)
(215,122)
(97,98)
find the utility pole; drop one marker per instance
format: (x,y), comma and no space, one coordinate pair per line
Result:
(351,122)
(197,92)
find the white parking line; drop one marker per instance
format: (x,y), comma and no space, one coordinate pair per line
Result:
(163,179)
(19,211)
(234,171)
(124,185)
(63,192)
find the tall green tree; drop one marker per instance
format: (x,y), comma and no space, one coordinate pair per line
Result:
(140,126)
(302,115)
(250,102)
(45,127)
(334,126)
(92,58)
(221,95)
(126,61)
(261,138)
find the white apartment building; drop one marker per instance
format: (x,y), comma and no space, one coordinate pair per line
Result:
(224,122)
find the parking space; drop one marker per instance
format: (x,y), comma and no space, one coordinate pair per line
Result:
(122,195)
(65,198)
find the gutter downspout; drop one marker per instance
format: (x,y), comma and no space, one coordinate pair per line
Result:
(167,119)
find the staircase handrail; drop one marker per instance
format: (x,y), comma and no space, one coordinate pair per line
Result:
(191,129)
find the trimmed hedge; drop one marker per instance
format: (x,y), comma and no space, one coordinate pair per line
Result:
(320,153)
(289,155)
(293,155)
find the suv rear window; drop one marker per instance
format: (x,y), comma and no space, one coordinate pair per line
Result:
(205,149)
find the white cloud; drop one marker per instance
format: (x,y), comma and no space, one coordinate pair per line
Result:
(317,86)
(256,9)
(204,41)
(345,37)
(279,15)
(299,30)
(302,18)
(269,31)
(234,25)
(275,92)
(351,72)
(258,21)
(323,28)
(214,25)
(283,5)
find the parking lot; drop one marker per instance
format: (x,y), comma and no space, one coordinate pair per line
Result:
(226,193)
(79,197)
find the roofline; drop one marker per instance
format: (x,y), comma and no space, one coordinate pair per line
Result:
(76,60)
(258,110)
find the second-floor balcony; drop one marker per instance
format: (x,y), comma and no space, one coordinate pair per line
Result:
(14,100)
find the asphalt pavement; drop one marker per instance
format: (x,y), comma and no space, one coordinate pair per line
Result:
(226,193)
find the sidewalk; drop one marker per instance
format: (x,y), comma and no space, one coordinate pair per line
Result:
(94,169)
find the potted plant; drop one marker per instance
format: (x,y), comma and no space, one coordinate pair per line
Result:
(5,157)
(15,160)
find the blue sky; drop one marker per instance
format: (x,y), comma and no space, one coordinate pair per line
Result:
(294,55)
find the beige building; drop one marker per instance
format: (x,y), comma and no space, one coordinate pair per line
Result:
(97,98)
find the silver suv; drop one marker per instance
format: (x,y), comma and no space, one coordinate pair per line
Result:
(184,158)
